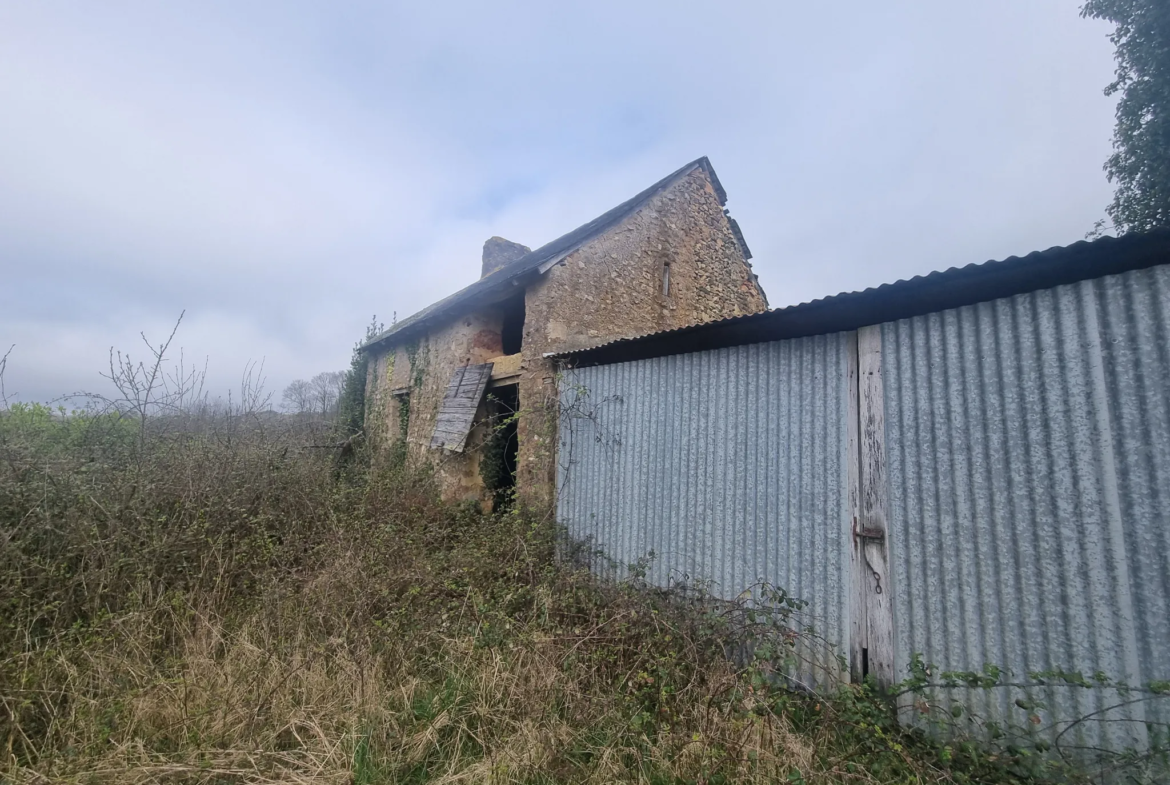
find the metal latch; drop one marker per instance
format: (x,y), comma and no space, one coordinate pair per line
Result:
(868,532)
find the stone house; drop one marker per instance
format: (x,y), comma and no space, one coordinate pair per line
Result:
(443,383)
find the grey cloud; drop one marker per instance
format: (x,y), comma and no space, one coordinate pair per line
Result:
(283,171)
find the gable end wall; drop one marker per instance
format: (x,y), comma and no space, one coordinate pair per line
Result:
(610,288)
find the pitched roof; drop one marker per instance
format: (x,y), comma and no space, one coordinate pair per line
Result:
(938,291)
(499,284)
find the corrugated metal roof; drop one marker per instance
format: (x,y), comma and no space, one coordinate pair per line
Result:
(920,295)
(504,281)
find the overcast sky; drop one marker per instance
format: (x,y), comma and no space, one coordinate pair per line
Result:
(282,171)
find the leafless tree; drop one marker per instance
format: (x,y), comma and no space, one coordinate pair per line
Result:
(145,388)
(3,365)
(298,397)
(254,398)
(326,388)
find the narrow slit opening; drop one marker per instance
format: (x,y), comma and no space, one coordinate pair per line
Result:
(512,332)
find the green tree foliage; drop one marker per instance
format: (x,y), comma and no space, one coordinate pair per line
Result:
(351,408)
(1140,164)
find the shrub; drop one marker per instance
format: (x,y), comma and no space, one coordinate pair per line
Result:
(203,598)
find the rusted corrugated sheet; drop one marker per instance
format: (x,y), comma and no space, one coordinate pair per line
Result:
(1028,446)
(727,465)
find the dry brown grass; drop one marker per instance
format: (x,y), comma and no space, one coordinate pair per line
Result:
(268,702)
(225,610)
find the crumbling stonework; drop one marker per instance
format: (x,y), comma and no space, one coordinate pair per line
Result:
(423,368)
(613,288)
(672,262)
(498,253)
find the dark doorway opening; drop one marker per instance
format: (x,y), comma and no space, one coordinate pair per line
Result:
(512,332)
(501,451)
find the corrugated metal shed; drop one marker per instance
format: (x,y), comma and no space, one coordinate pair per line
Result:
(1027,464)
(1025,498)
(728,466)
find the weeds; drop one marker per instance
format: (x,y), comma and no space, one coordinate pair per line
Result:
(209,601)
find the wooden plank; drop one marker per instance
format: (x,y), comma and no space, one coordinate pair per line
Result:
(858,639)
(506,365)
(465,388)
(461,393)
(873,429)
(460,402)
(871,532)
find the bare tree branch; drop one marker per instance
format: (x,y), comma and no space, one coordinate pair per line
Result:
(3,366)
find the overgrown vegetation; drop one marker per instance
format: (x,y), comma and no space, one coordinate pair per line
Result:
(351,404)
(214,603)
(497,464)
(1140,164)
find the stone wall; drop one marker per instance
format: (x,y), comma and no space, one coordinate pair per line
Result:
(425,367)
(613,288)
(610,288)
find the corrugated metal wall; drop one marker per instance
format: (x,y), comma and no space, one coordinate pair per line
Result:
(729,465)
(1028,449)
(1028,461)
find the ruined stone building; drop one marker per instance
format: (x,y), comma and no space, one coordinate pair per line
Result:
(443,383)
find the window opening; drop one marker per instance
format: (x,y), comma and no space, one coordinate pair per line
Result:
(512,332)
(402,396)
(666,279)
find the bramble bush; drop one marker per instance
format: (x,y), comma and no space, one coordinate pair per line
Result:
(207,598)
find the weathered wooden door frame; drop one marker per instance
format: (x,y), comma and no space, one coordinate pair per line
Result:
(871,650)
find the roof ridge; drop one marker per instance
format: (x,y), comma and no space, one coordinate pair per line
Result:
(550,252)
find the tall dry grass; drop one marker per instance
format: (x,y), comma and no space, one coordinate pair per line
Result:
(217,602)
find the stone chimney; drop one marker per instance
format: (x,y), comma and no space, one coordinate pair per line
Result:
(498,252)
